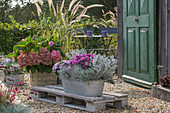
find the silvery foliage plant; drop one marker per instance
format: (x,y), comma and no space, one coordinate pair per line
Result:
(100,68)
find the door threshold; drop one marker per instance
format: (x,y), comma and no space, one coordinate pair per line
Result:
(136,81)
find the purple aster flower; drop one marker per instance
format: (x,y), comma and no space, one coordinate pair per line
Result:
(2,63)
(14,67)
(32,92)
(8,60)
(82,63)
(29,98)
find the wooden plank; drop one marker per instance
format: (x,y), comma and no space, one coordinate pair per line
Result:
(93,36)
(162,37)
(168,33)
(62,93)
(120,37)
(120,95)
(60,87)
(76,106)
(110,100)
(45,100)
(101,49)
(104,92)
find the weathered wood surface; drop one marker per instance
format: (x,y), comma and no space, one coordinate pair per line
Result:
(56,95)
(161,92)
(104,92)
(120,37)
(168,33)
(163,28)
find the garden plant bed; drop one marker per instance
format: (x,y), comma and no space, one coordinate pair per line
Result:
(56,95)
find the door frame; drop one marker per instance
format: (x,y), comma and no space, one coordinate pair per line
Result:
(120,47)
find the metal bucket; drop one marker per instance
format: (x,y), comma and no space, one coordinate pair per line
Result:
(17,78)
(83,88)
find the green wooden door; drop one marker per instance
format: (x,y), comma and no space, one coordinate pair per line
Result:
(139,41)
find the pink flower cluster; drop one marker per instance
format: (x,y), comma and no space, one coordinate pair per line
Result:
(45,56)
(7,95)
(51,43)
(82,60)
(56,56)
(28,59)
(42,57)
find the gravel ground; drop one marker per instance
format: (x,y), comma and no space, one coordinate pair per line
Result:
(139,100)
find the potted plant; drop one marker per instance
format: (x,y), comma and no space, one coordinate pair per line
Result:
(13,74)
(38,56)
(84,74)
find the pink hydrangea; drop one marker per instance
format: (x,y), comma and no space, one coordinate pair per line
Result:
(56,56)
(28,59)
(51,43)
(45,56)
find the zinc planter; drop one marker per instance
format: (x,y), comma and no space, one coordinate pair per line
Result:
(17,78)
(83,88)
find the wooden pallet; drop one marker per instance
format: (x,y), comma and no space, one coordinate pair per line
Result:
(56,95)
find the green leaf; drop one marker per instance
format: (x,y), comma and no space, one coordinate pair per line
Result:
(21,43)
(19,47)
(10,55)
(29,39)
(41,45)
(51,38)
(28,44)
(48,69)
(32,68)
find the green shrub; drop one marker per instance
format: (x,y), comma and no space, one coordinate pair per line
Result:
(12,33)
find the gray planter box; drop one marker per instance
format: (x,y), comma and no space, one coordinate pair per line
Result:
(2,76)
(17,78)
(83,88)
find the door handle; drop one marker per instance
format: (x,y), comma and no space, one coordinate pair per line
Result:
(135,19)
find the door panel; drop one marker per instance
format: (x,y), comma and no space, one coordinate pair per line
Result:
(131,7)
(131,50)
(144,6)
(143,21)
(139,39)
(144,53)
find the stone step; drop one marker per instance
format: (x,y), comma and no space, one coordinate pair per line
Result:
(161,92)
